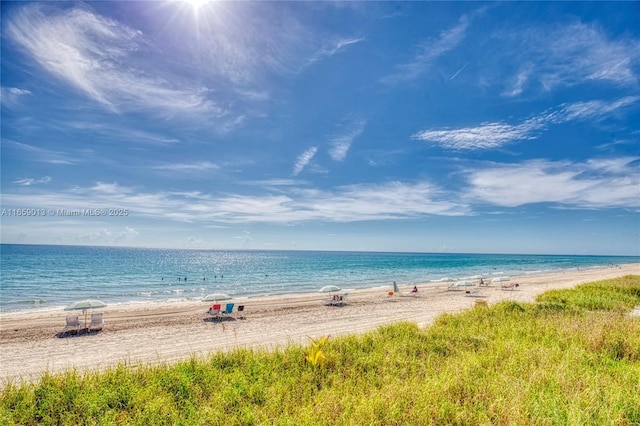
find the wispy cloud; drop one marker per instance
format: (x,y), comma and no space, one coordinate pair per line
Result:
(428,52)
(484,136)
(497,134)
(108,237)
(595,184)
(519,81)
(10,96)
(89,52)
(386,201)
(32,181)
(596,110)
(566,55)
(41,154)
(303,159)
(197,168)
(334,48)
(340,144)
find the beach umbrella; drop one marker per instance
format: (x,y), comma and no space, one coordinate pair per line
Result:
(329,289)
(465,283)
(500,279)
(85,305)
(216,297)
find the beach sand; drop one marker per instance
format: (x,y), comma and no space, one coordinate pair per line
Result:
(168,332)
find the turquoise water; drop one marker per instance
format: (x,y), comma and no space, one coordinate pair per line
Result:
(38,276)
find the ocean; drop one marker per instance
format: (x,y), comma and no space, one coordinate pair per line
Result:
(50,277)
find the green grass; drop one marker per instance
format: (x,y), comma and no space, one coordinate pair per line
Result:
(571,358)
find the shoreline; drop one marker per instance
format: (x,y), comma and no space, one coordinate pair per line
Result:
(166,332)
(132,304)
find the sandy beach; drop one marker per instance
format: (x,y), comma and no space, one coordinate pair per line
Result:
(167,332)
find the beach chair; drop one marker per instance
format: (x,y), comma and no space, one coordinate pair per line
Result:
(97,322)
(240,311)
(228,310)
(214,311)
(510,286)
(339,299)
(73,323)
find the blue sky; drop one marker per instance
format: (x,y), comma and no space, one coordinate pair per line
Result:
(384,126)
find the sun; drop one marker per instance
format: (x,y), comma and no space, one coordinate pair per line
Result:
(196,4)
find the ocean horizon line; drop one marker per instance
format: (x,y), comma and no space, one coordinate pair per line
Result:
(317,250)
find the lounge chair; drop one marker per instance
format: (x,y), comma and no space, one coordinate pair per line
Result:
(214,311)
(228,309)
(97,322)
(340,299)
(510,286)
(73,323)
(240,311)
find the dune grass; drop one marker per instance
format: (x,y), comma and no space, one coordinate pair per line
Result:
(571,358)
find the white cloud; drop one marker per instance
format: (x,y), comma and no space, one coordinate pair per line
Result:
(594,184)
(41,154)
(334,48)
(10,96)
(485,136)
(600,183)
(595,109)
(566,55)
(303,159)
(495,135)
(429,52)
(104,236)
(32,181)
(392,200)
(340,144)
(89,52)
(197,168)
(519,81)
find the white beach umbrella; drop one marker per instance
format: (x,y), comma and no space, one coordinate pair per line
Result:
(216,297)
(465,283)
(329,289)
(500,279)
(85,305)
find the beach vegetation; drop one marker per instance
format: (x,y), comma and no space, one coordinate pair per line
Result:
(570,358)
(316,357)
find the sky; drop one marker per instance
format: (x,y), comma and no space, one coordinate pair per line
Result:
(508,127)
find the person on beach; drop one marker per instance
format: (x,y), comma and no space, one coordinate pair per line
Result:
(415,289)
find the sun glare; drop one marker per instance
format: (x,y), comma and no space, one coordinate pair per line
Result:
(197,4)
